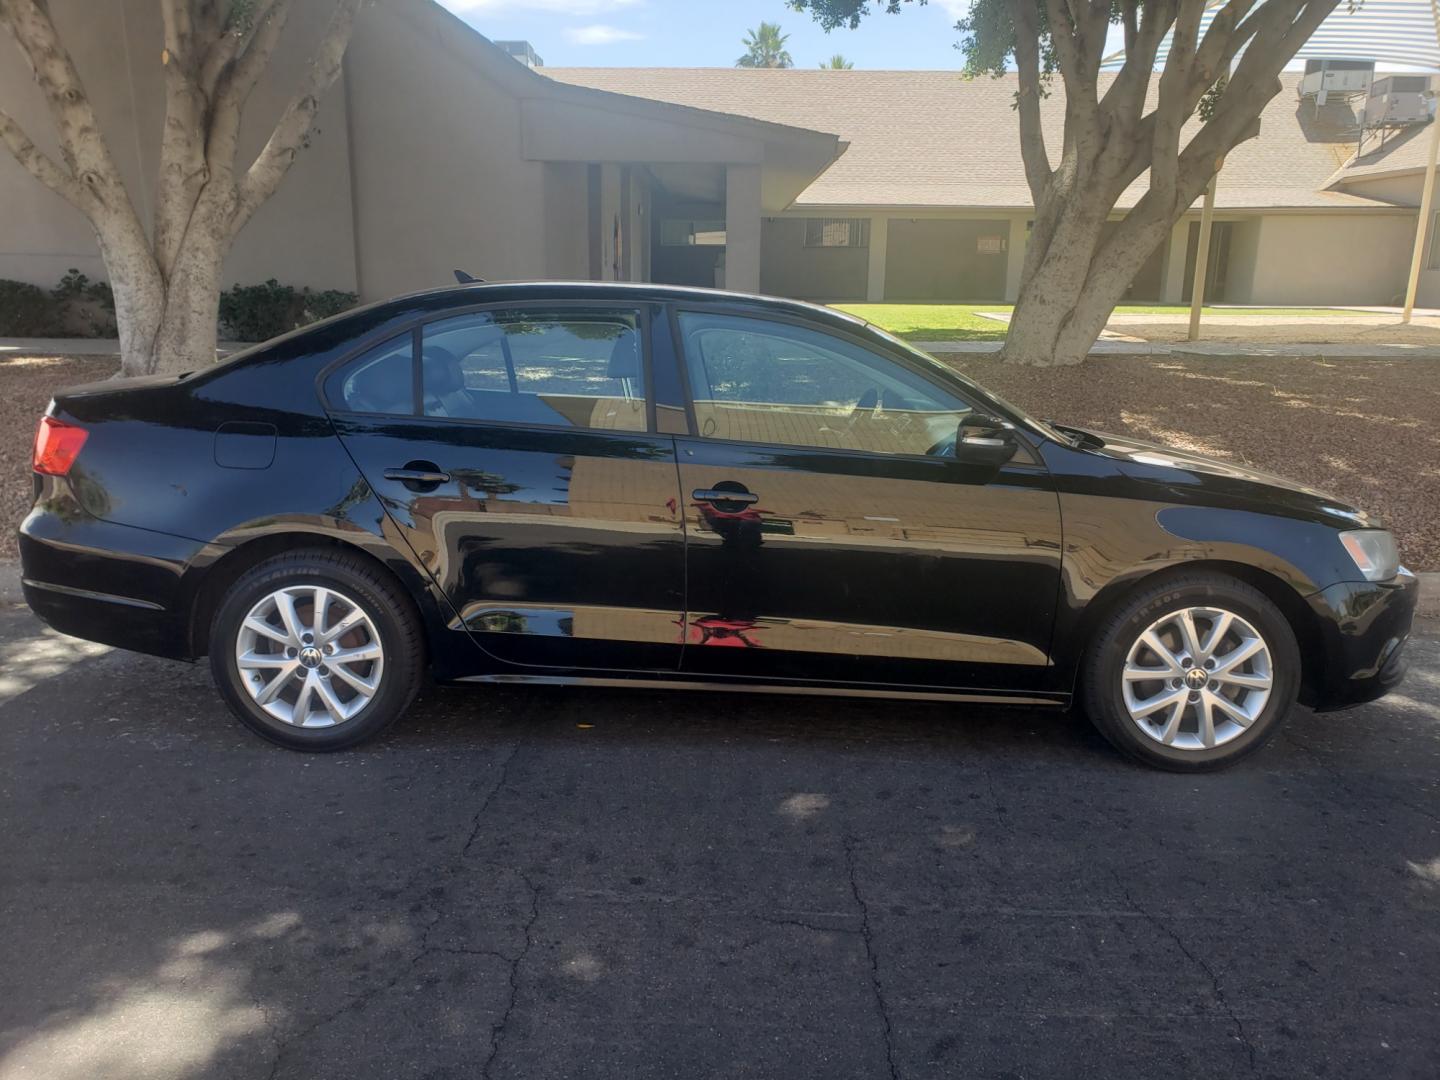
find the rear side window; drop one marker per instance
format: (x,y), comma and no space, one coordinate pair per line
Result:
(380,381)
(580,368)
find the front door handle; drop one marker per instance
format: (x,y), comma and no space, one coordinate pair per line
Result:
(717,495)
(418,472)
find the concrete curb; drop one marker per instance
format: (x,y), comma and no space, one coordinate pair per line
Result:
(10,593)
(1428,608)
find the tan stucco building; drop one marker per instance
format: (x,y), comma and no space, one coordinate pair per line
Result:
(436,150)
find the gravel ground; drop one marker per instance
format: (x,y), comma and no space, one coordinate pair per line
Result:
(1366,430)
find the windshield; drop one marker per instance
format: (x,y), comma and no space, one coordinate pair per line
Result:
(1038,427)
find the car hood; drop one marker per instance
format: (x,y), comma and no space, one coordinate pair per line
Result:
(1223,480)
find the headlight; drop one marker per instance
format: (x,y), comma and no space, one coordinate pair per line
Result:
(1374,553)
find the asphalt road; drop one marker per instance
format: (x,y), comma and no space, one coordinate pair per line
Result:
(528,883)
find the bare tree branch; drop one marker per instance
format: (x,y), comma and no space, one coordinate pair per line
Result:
(1125,99)
(179,33)
(231,40)
(1027,101)
(39,164)
(82,144)
(235,85)
(274,161)
(1129,17)
(1172,109)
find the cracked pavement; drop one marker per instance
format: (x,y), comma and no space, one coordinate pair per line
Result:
(700,885)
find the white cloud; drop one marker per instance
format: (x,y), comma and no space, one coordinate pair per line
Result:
(555,7)
(599,34)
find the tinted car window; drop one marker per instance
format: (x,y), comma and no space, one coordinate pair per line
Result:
(379,381)
(574,369)
(769,382)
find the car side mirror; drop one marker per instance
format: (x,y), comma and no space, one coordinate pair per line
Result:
(985,440)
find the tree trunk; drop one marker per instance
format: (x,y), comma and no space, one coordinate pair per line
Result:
(1035,334)
(166,326)
(139,299)
(1079,274)
(1052,292)
(187,336)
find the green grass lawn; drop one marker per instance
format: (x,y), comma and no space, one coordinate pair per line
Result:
(960,322)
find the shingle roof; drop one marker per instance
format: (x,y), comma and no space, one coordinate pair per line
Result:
(1403,151)
(934,139)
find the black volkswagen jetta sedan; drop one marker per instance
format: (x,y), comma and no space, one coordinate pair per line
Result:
(623,485)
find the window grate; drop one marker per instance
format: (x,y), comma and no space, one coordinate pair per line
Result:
(837,232)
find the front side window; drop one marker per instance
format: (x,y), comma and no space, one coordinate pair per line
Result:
(578,368)
(768,382)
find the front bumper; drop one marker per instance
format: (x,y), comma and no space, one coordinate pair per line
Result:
(1363,629)
(104,582)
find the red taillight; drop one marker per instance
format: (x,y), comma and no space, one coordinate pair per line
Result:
(57,445)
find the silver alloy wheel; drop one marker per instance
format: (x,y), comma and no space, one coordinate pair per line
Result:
(1197,678)
(309,656)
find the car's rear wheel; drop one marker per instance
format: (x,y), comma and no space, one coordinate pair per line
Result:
(316,650)
(1192,674)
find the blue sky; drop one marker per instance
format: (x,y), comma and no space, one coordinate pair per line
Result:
(699,33)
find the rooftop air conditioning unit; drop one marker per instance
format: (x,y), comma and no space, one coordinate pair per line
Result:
(1325,77)
(1397,100)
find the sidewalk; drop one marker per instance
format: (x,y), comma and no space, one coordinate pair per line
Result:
(84,347)
(1212,348)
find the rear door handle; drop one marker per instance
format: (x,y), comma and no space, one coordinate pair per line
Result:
(712,495)
(418,476)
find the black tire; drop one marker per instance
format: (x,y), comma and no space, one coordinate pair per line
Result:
(390,611)
(1101,690)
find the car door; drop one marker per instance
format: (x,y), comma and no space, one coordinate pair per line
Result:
(832,534)
(513,449)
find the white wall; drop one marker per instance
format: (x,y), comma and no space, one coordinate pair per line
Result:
(1356,258)
(438,178)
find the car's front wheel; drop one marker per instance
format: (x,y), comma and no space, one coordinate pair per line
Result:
(316,650)
(1192,674)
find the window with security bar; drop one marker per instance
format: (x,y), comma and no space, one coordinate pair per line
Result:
(837,232)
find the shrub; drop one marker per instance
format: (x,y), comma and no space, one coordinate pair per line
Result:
(322,305)
(27,311)
(84,308)
(79,307)
(260,312)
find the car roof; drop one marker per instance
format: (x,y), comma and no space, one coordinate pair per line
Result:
(456,296)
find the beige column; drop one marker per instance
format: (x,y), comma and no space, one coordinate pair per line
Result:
(1015,256)
(1422,227)
(1202,257)
(1173,289)
(742,228)
(875,268)
(610,210)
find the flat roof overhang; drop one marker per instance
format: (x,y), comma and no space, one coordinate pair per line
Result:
(594,126)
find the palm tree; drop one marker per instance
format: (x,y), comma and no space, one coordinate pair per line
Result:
(837,63)
(765,48)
